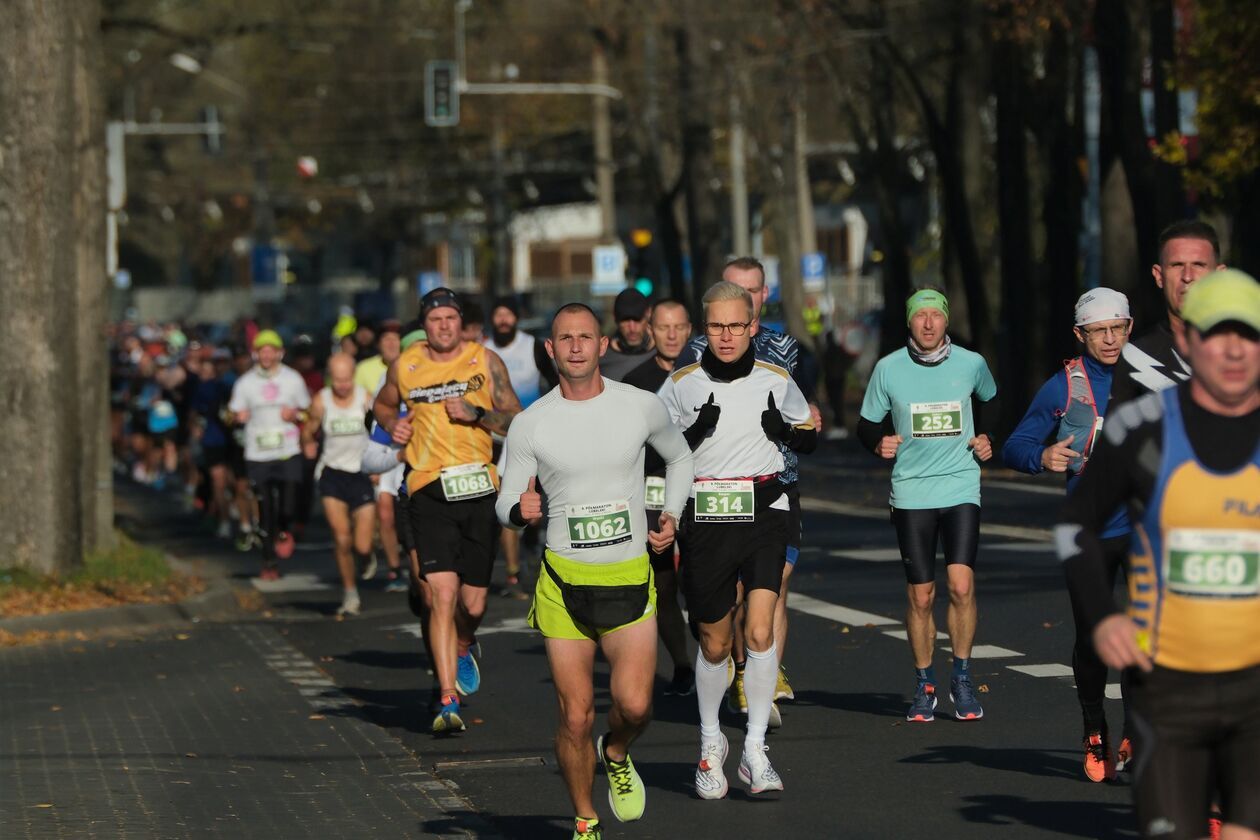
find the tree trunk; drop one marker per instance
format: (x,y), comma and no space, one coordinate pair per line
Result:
(96,472)
(42,492)
(704,225)
(1015,222)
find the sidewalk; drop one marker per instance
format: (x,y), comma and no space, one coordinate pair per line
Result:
(202,729)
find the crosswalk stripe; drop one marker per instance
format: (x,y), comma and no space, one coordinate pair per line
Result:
(835,612)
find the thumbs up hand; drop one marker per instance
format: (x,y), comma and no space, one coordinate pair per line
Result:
(772,422)
(531,503)
(707,415)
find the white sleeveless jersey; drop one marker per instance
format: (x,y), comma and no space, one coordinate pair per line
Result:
(345,436)
(518,358)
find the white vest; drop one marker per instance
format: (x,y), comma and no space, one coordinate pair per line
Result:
(345,436)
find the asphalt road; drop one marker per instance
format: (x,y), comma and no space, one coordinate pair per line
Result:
(852,766)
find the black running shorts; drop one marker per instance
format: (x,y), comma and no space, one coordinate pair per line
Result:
(461,537)
(957,528)
(1190,729)
(715,555)
(355,489)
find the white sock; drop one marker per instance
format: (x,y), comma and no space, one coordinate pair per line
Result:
(710,687)
(760,675)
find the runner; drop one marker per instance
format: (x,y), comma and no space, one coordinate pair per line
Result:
(1188,250)
(370,374)
(670,326)
(1187,463)
(783,350)
(735,527)
(631,345)
(457,393)
(337,411)
(205,416)
(585,443)
(1069,409)
(520,354)
(927,389)
(269,401)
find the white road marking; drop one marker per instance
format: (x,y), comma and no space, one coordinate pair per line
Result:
(1050,669)
(1024,487)
(506,625)
(992,652)
(1113,691)
(295,582)
(834,612)
(901,634)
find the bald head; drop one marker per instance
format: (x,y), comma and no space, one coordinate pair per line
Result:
(341,374)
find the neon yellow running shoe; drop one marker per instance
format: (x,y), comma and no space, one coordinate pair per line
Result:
(783,688)
(626,794)
(735,699)
(587,829)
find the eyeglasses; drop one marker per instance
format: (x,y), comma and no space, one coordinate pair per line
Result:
(1110,332)
(715,329)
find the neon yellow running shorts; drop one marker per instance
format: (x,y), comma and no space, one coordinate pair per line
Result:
(548,614)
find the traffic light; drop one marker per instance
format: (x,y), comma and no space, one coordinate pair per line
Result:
(641,238)
(441,94)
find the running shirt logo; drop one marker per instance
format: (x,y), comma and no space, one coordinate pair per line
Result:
(452,388)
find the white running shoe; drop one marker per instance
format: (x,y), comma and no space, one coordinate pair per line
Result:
(776,718)
(349,603)
(710,780)
(756,772)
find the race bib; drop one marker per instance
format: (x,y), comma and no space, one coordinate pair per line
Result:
(723,501)
(938,419)
(1212,563)
(596,525)
(467,481)
(269,440)
(654,492)
(345,426)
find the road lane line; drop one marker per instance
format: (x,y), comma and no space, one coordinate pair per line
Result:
(1050,669)
(834,612)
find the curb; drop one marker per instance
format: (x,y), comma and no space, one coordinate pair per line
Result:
(218,602)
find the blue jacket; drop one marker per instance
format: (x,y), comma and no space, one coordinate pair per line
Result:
(1022,450)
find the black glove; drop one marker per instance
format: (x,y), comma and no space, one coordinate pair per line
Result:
(772,422)
(706,421)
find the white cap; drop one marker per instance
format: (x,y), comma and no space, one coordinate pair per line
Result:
(1101,304)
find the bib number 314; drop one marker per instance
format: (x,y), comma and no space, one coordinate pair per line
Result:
(939,419)
(724,501)
(467,481)
(597,525)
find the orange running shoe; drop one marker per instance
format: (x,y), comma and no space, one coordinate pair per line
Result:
(1124,754)
(1098,764)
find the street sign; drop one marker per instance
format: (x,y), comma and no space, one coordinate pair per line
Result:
(814,272)
(609,276)
(427,281)
(441,94)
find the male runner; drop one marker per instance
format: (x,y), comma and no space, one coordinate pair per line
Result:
(735,529)
(783,350)
(457,393)
(671,329)
(1069,409)
(520,354)
(270,400)
(337,411)
(584,442)
(631,345)
(370,374)
(927,388)
(1187,463)
(1188,250)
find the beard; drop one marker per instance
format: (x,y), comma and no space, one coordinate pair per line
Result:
(503,337)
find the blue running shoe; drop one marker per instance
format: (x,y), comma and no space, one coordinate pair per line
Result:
(448,719)
(923,705)
(467,674)
(963,696)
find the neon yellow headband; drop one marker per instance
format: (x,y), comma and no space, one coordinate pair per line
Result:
(926,299)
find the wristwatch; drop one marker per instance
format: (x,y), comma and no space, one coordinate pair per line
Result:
(480,412)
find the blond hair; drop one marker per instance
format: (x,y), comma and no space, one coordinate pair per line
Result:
(726,290)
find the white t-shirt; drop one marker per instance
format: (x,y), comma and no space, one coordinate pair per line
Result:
(738,447)
(588,458)
(267,436)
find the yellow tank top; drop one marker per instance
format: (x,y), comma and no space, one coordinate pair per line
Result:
(437,442)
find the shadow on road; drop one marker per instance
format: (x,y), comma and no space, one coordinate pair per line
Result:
(1051,763)
(1081,819)
(879,704)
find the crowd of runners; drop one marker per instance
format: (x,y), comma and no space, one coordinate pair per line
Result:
(658,469)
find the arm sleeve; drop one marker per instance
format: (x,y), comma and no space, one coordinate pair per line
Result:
(1022,450)
(521,466)
(1106,485)
(379,458)
(667,440)
(870,432)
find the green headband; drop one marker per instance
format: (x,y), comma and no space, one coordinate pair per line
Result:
(926,299)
